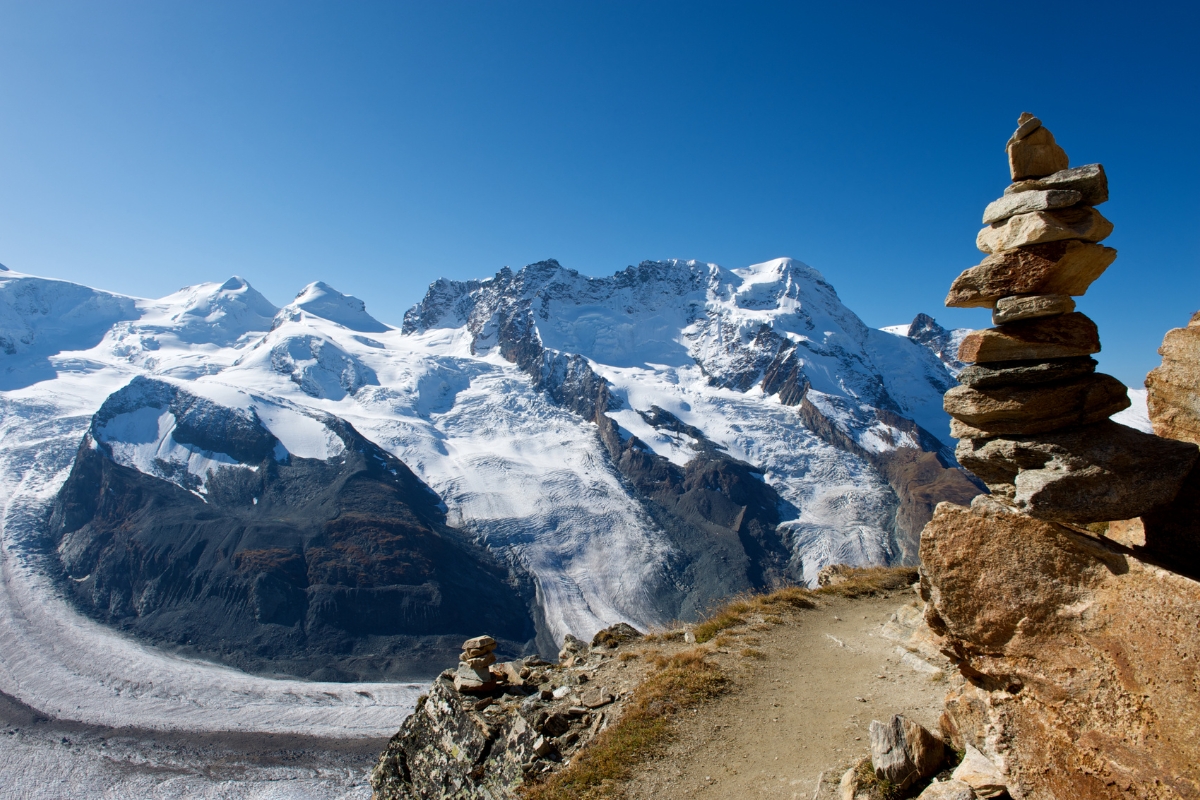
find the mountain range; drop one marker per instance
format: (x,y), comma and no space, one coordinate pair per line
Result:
(311,492)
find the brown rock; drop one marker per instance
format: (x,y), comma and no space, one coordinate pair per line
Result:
(1066,267)
(1173,389)
(616,635)
(1089,180)
(481,662)
(1035,155)
(1037,227)
(947,790)
(1067,336)
(1024,202)
(978,773)
(470,680)
(484,643)
(596,697)
(903,752)
(1039,408)
(1015,309)
(1091,474)
(1082,658)
(1026,373)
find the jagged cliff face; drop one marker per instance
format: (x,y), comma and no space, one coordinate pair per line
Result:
(631,448)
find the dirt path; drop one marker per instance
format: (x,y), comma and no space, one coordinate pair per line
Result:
(800,707)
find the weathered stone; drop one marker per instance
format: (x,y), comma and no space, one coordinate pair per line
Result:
(479,662)
(1024,202)
(1026,124)
(855,783)
(979,774)
(1035,155)
(1038,227)
(509,672)
(485,643)
(1015,309)
(1066,267)
(1089,180)
(903,752)
(616,635)
(1173,389)
(1081,657)
(1026,373)
(947,790)
(1066,336)
(1090,474)
(472,680)
(596,697)
(1040,408)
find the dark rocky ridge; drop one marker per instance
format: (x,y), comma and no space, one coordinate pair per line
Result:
(336,570)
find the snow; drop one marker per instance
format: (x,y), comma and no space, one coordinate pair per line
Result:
(1137,415)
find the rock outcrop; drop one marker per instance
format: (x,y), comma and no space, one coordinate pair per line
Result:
(487,727)
(1031,414)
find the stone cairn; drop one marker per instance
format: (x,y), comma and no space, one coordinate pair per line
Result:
(1032,414)
(474,675)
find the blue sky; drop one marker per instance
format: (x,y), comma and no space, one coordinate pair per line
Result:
(379,146)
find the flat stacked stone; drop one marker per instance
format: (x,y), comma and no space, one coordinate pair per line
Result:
(1031,413)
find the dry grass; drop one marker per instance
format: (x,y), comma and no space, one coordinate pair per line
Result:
(628,655)
(872,580)
(683,681)
(750,652)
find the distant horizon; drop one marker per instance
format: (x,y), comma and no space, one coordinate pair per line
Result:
(382,146)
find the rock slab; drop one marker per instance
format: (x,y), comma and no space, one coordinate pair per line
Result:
(1040,408)
(1089,180)
(1090,474)
(1037,227)
(1065,267)
(1066,336)
(1022,307)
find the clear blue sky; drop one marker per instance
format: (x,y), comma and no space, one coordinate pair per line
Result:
(379,146)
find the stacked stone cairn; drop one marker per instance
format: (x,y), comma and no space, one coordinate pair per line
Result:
(474,675)
(1032,414)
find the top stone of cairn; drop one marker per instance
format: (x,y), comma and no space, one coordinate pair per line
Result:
(1032,151)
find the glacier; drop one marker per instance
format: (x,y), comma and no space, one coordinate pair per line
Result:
(525,401)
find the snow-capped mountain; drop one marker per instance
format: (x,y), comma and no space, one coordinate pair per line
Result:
(632,448)
(943,343)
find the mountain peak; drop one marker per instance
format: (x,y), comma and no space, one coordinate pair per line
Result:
(321,300)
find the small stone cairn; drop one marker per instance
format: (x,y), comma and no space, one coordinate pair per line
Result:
(1032,414)
(474,675)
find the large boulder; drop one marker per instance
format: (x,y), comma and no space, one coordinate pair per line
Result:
(1095,473)
(1082,659)
(1066,336)
(1065,267)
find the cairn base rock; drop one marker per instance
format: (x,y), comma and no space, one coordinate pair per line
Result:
(1081,658)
